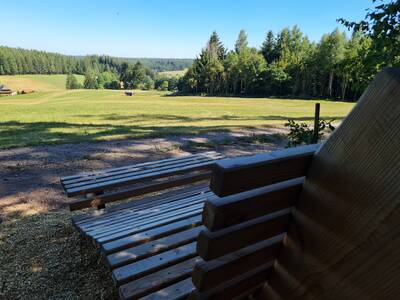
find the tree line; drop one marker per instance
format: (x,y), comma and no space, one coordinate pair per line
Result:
(288,64)
(14,61)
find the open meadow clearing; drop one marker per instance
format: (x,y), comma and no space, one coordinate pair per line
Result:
(56,115)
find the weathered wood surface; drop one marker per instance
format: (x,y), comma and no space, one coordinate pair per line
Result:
(237,288)
(227,211)
(218,243)
(114,178)
(158,280)
(207,275)
(232,176)
(96,201)
(150,248)
(150,240)
(344,242)
(180,290)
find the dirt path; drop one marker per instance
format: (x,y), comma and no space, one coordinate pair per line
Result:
(41,255)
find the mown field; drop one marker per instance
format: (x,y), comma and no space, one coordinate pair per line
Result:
(36,82)
(56,115)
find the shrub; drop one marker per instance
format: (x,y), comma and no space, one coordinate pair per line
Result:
(302,134)
(72,82)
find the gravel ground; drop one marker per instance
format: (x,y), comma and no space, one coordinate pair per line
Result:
(41,255)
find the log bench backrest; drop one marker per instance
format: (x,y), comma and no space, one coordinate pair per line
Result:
(343,230)
(246,220)
(344,241)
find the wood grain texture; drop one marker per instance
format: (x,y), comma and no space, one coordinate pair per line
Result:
(237,288)
(227,211)
(232,176)
(158,280)
(207,275)
(344,241)
(137,191)
(218,243)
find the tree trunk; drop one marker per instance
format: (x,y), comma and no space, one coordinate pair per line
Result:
(330,84)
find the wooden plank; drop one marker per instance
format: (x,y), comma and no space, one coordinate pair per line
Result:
(133,254)
(152,264)
(158,280)
(133,179)
(146,164)
(218,243)
(149,235)
(119,220)
(121,234)
(137,191)
(207,275)
(234,209)
(177,291)
(136,169)
(235,175)
(140,204)
(173,212)
(139,173)
(238,287)
(344,241)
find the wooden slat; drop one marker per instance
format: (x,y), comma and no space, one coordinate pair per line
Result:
(138,229)
(154,163)
(138,191)
(231,176)
(137,178)
(147,202)
(139,173)
(238,287)
(234,209)
(133,254)
(138,216)
(137,169)
(149,235)
(152,264)
(173,213)
(207,275)
(177,291)
(158,280)
(218,243)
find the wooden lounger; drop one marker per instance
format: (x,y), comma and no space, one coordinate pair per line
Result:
(153,238)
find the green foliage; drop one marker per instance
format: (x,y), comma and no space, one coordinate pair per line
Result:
(72,83)
(90,81)
(289,65)
(302,134)
(163,86)
(381,24)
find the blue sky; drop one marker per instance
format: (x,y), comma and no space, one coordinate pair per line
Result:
(157,28)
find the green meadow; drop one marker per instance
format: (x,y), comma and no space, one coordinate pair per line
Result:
(56,115)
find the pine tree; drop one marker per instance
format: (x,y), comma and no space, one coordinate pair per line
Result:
(268,48)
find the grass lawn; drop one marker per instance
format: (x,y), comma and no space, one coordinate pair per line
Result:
(36,82)
(63,116)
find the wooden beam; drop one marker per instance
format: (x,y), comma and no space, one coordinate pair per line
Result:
(344,241)
(158,280)
(215,244)
(138,191)
(177,291)
(238,287)
(231,176)
(223,212)
(207,275)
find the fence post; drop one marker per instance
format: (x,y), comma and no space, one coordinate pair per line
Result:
(316,123)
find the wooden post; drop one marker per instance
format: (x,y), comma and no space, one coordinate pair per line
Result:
(316,123)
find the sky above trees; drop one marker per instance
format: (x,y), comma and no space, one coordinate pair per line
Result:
(157,28)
